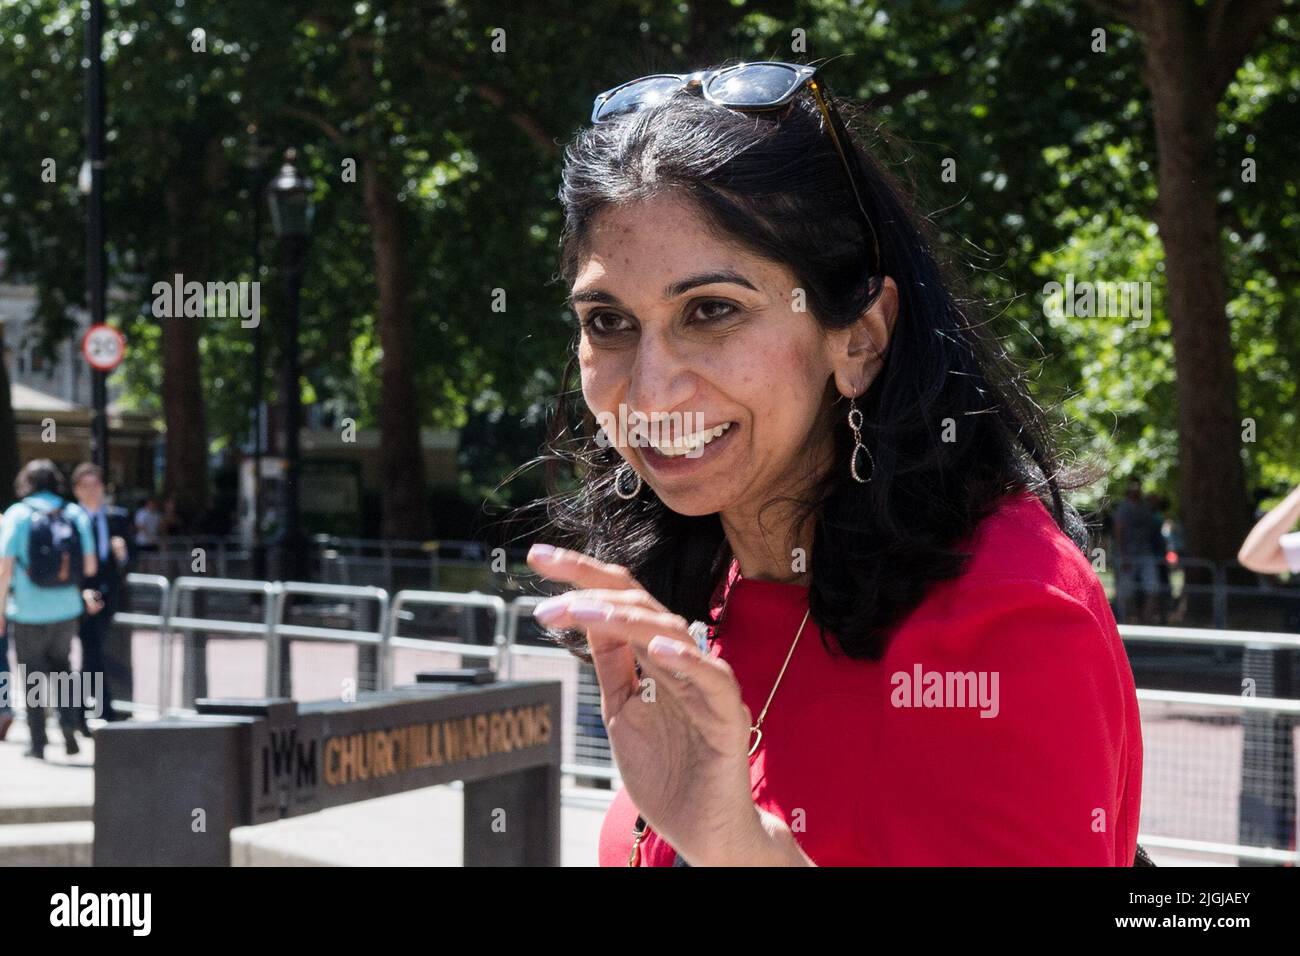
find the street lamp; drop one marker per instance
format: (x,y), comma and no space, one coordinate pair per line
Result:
(289,197)
(290,200)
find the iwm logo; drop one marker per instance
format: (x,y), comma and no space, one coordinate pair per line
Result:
(288,761)
(178,298)
(285,772)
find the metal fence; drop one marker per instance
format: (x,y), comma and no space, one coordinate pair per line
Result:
(1193,592)
(1219,779)
(1218,594)
(366,629)
(1219,776)
(247,630)
(391,564)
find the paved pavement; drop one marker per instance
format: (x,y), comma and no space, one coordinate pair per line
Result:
(46,813)
(54,790)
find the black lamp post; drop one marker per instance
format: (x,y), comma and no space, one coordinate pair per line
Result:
(289,196)
(256,160)
(93,186)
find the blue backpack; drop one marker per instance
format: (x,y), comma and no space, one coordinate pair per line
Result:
(53,550)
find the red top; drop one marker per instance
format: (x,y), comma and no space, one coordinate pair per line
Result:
(891,764)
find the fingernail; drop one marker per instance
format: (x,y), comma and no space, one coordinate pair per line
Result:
(542,552)
(659,644)
(550,609)
(589,611)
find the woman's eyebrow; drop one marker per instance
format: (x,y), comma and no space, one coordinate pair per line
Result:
(672,291)
(707,278)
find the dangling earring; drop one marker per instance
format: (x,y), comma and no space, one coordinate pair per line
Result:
(618,482)
(855,422)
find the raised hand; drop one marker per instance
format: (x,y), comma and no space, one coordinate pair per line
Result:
(680,732)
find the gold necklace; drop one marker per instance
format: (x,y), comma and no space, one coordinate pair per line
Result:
(757,728)
(755,732)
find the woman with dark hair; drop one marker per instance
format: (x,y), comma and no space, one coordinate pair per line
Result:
(790,426)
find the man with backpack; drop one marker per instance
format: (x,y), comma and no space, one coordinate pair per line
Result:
(47,548)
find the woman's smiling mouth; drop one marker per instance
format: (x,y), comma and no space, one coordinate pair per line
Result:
(687,453)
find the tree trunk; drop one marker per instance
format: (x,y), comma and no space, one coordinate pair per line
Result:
(1212,488)
(186,474)
(405,509)
(9,463)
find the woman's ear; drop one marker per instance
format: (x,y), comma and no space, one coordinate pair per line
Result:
(858,351)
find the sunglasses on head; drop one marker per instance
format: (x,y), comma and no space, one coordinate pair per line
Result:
(747,87)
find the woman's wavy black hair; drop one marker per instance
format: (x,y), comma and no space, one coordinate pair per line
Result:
(948,420)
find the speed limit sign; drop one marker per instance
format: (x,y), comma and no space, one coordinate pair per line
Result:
(104,347)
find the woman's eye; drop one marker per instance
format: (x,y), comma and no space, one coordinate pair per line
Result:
(604,324)
(601,323)
(711,310)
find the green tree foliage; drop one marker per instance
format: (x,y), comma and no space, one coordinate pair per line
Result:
(1049,144)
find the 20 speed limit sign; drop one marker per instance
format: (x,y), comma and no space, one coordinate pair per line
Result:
(104,347)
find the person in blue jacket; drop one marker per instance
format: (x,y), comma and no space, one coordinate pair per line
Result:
(44,608)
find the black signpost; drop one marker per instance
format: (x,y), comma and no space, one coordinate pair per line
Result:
(169,792)
(94,188)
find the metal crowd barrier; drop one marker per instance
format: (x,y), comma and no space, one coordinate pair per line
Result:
(1225,705)
(1193,635)
(1260,763)
(496,656)
(174,621)
(273,630)
(545,661)
(279,630)
(508,658)
(514,612)
(134,619)
(388,563)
